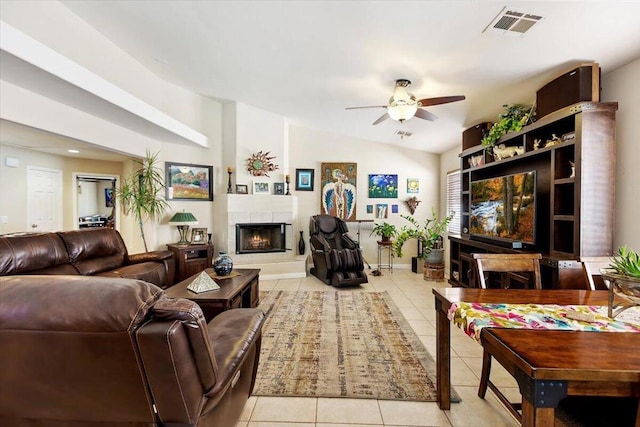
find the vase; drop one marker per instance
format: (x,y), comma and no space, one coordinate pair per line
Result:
(301,245)
(223,264)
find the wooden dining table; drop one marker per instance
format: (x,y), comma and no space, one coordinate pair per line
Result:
(445,297)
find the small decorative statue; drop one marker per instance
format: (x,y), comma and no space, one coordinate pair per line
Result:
(413,204)
(536,143)
(553,141)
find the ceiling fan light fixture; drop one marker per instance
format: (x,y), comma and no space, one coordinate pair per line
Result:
(402,111)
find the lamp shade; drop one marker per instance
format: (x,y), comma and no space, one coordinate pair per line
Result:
(183,218)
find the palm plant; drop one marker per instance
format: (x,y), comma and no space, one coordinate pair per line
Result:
(141,193)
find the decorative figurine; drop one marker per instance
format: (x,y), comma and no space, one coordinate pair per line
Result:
(287,179)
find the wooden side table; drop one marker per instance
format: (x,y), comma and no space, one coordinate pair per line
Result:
(191,259)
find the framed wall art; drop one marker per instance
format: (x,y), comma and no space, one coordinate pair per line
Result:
(242,189)
(383,186)
(304,179)
(339,190)
(189,182)
(413,185)
(261,187)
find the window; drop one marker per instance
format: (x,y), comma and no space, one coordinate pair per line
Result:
(453,201)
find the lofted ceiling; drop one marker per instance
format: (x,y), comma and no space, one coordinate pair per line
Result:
(308,60)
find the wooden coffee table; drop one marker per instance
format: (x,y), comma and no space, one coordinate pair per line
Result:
(241,291)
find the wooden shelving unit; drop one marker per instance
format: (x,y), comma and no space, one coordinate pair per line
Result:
(574,188)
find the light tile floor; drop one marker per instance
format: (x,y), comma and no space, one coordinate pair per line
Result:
(413,296)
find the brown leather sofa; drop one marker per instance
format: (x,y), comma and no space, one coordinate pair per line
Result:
(79,351)
(90,252)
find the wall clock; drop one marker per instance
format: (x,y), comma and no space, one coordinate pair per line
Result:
(259,164)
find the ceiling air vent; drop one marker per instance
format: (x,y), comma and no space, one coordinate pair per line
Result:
(403,133)
(512,22)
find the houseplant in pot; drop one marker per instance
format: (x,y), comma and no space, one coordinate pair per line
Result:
(385,230)
(429,234)
(141,193)
(623,279)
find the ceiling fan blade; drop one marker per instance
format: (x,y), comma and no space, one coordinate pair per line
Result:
(369,106)
(382,118)
(424,114)
(441,100)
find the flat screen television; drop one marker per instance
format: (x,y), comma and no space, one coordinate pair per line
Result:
(504,208)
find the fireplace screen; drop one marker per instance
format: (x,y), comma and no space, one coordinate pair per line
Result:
(260,238)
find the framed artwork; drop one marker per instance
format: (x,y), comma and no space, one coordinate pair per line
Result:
(383,186)
(261,187)
(278,187)
(189,182)
(108,197)
(382,210)
(339,190)
(369,209)
(242,189)
(413,185)
(394,208)
(304,179)
(198,236)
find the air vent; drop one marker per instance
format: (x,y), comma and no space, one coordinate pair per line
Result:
(403,133)
(512,22)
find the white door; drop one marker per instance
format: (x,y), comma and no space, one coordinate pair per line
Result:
(44,199)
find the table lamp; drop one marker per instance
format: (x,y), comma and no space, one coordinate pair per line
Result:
(182,220)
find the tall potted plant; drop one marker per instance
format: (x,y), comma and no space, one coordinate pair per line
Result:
(429,234)
(141,193)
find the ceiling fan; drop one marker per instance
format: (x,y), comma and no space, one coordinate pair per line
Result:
(403,105)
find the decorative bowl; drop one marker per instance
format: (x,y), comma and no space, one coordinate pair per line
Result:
(624,286)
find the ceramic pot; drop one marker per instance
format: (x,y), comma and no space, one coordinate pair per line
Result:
(223,265)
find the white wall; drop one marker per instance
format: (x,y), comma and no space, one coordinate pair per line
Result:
(309,148)
(623,86)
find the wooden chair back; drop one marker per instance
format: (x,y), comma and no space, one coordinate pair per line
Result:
(592,266)
(506,263)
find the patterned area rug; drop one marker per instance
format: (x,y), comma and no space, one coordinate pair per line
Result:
(341,344)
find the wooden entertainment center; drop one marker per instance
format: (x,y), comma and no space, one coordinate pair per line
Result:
(574,196)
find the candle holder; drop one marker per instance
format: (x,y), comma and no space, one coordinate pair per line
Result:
(287,180)
(229,190)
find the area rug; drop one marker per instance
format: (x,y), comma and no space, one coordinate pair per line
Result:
(341,344)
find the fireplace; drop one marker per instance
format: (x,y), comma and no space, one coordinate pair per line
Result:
(255,238)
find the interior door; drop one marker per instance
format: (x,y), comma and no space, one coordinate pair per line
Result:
(44,199)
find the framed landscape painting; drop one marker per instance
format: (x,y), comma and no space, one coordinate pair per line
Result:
(189,182)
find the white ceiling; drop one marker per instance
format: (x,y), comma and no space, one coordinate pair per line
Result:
(308,60)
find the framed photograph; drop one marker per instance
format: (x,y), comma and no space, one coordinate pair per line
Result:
(261,187)
(278,187)
(568,136)
(189,182)
(242,189)
(304,179)
(108,197)
(198,236)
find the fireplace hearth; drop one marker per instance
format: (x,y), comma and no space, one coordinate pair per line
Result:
(254,238)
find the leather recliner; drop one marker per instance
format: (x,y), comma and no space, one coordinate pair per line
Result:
(337,258)
(80,350)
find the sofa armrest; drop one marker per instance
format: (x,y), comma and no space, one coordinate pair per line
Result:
(150,256)
(233,333)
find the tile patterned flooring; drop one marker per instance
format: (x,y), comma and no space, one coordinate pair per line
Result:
(413,296)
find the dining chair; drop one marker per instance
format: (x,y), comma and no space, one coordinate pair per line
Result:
(503,263)
(508,263)
(591,267)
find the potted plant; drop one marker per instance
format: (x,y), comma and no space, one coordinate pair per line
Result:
(141,193)
(516,116)
(385,230)
(429,234)
(624,278)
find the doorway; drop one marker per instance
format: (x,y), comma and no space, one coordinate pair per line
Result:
(44,199)
(94,201)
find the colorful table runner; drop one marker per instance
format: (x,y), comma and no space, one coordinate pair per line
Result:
(472,317)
